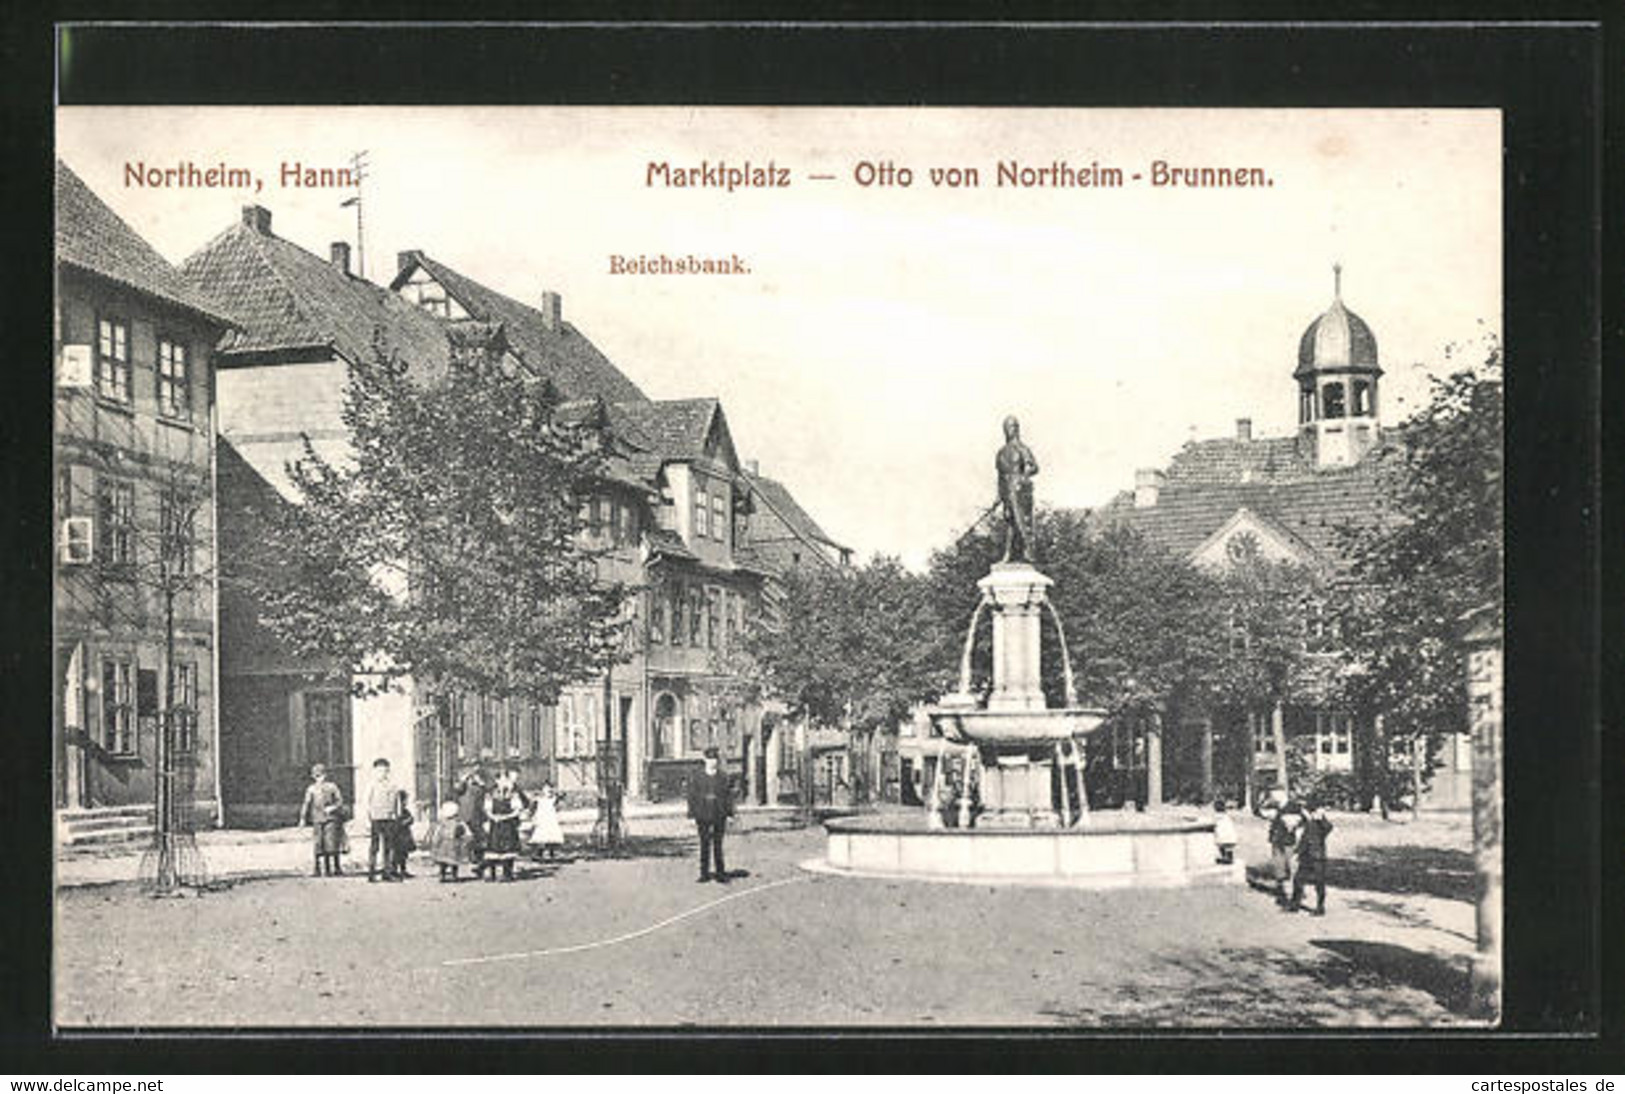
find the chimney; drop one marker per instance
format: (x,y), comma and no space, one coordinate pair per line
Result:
(1244,429)
(403,259)
(257,217)
(552,310)
(340,255)
(1147,484)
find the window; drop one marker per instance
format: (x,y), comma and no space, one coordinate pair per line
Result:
(577,715)
(677,598)
(1263,736)
(1332,401)
(1362,399)
(1334,741)
(657,617)
(626,525)
(702,511)
(667,721)
(174,380)
(118,709)
(113,360)
(713,617)
(515,724)
(729,626)
(696,617)
(457,717)
(325,738)
(537,728)
(719,516)
(117,504)
(175,536)
(1306,404)
(183,706)
(488,723)
(1316,627)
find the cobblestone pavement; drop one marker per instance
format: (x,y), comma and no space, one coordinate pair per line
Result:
(635,942)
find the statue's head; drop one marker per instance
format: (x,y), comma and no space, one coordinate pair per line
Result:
(1012,428)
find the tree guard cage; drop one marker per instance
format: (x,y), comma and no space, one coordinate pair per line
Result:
(173,859)
(609,827)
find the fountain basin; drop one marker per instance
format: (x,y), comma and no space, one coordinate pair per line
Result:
(1015,727)
(1109,851)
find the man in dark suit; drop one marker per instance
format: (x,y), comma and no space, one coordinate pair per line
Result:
(710,804)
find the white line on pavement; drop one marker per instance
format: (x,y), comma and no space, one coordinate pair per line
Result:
(556,951)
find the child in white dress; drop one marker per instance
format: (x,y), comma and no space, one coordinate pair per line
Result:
(546,837)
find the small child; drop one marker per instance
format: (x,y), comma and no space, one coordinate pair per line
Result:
(451,842)
(403,844)
(1224,833)
(546,837)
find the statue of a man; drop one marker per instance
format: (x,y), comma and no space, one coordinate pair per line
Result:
(1016,467)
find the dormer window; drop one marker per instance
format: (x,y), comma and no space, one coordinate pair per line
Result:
(702,511)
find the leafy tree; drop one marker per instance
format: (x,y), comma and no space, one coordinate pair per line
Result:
(855,648)
(1413,578)
(446,545)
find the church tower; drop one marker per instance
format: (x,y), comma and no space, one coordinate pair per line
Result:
(1337,385)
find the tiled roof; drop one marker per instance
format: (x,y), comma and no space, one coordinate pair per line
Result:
(290,299)
(92,237)
(1209,481)
(564,355)
(666,542)
(776,498)
(676,429)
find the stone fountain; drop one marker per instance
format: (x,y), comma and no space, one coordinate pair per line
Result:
(1034,826)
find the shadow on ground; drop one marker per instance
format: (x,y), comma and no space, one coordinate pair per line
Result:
(1345,982)
(1426,871)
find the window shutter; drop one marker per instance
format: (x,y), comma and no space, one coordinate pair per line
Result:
(296,728)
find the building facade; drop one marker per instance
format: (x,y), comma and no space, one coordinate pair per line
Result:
(1223,502)
(135,580)
(671,513)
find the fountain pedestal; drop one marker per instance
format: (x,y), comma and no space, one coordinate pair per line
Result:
(1016,591)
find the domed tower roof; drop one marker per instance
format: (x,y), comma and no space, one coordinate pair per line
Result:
(1339,339)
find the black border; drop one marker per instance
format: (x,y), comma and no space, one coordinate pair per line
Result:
(1547,78)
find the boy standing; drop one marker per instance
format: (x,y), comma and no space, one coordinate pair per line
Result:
(382,805)
(1312,858)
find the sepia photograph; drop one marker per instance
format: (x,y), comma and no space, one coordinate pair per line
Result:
(723,567)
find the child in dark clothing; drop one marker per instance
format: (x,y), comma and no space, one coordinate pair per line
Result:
(1312,859)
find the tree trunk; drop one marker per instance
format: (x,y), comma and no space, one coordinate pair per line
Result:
(1380,763)
(1249,767)
(1153,760)
(1207,757)
(1278,732)
(1416,774)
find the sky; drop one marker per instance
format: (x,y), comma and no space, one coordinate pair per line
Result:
(884,332)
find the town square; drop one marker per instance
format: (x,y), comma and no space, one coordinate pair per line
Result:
(1067,606)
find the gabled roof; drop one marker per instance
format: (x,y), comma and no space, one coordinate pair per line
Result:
(676,429)
(775,497)
(289,299)
(563,355)
(92,237)
(1208,482)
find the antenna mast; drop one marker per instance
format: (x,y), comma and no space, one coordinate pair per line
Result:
(358,169)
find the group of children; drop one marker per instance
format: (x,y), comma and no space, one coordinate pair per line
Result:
(486,829)
(1297,837)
